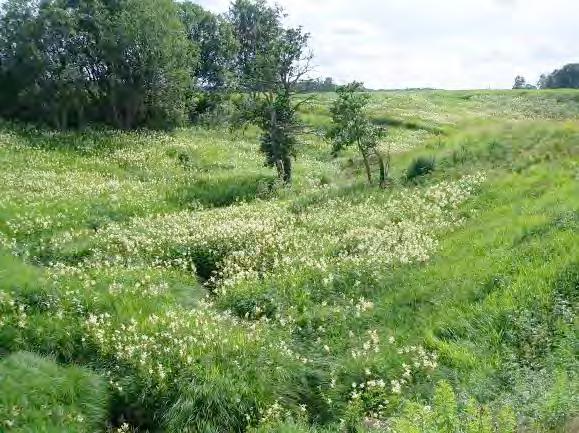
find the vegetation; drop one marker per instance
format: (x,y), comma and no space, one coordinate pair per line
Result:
(521,83)
(565,78)
(132,64)
(38,395)
(352,126)
(68,63)
(312,85)
(155,277)
(165,283)
(270,63)
(421,166)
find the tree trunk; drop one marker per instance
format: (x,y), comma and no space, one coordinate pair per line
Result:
(64,118)
(280,169)
(366,163)
(287,166)
(383,168)
(80,115)
(115,111)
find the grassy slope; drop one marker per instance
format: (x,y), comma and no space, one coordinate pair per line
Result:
(497,300)
(39,396)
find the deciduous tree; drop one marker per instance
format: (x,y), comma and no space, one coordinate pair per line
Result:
(270,63)
(352,127)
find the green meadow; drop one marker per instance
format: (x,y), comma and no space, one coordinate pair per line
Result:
(166,282)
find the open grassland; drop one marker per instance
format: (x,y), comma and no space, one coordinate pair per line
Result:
(166,283)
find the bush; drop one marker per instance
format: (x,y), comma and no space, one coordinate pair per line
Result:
(222,191)
(419,167)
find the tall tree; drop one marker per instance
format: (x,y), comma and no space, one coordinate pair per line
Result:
(257,28)
(148,61)
(520,82)
(270,62)
(45,62)
(213,36)
(565,78)
(542,83)
(126,62)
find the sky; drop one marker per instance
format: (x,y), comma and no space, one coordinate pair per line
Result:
(449,44)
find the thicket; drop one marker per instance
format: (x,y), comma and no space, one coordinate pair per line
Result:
(135,63)
(565,78)
(154,64)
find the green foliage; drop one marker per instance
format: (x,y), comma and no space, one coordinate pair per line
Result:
(148,58)
(279,124)
(270,62)
(216,42)
(124,63)
(292,426)
(352,126)
(445,416)
(223,191)
(521,83)
(445,409)
(155,260)
(565,78)
(259,31)
(317,85)
(38,395)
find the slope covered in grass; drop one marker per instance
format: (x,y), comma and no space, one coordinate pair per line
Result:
(41,397)
(210,299)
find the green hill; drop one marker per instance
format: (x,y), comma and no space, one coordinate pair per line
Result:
(211,299)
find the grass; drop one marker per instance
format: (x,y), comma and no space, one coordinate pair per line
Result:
(174,269)
(40,396)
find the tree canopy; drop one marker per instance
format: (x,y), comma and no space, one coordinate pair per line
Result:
(565,78)
(521,83)
(126,63)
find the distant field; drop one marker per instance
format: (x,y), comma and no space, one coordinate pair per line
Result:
(164,282)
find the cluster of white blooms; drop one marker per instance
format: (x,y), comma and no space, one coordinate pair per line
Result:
(249,241)
(163,346)
(123,428)
(140,289)
(11,311)
(16,418)
(44,190)
(399,140)
(9,244)
(375,393)
(371,345)
(114,278)
(52,199)
(273,413)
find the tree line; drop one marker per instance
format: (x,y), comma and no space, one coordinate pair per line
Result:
(160,63)
(565,78)
(138,63)
(153,64)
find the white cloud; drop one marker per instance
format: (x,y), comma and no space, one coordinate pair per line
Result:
(436,43)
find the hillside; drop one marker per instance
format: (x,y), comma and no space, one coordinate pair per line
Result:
(164,282)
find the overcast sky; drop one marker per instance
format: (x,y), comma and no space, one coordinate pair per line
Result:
(452,44)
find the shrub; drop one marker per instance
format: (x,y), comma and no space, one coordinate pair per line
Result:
(419,167)
(446,416)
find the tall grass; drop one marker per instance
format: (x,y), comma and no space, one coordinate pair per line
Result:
(197,295)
